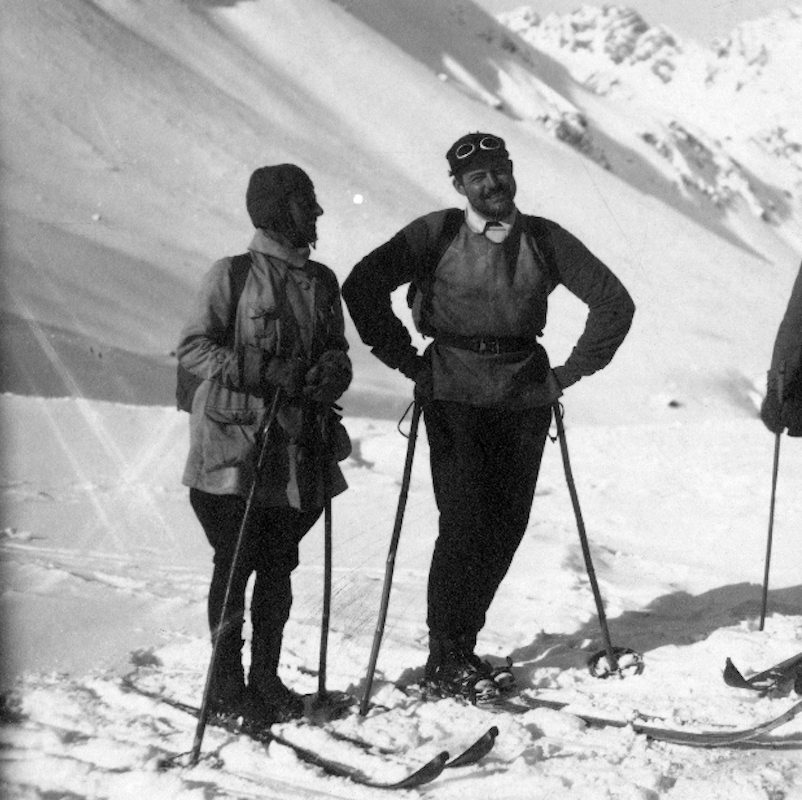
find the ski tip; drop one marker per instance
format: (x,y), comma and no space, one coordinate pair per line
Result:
(733,676)
(478,750)
(427,773)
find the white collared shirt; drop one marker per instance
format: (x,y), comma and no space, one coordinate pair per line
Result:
(478,224)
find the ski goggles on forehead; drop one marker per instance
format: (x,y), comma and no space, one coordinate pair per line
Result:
(467,149)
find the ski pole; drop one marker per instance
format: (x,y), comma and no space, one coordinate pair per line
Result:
(327,566)
(390,564)
(774,473)
(203,715)
(583,539)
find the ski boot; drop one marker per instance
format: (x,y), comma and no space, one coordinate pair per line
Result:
(504,677)
(454,670)
(227,692)
(269,702)
(502,674)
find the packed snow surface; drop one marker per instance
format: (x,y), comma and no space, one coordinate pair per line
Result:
(105,573)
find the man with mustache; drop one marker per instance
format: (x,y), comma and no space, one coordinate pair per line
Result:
(479,285)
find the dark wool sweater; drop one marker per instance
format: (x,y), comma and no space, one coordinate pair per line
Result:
(475,291)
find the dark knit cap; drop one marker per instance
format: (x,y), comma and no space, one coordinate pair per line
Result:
(268,190)
(475,150)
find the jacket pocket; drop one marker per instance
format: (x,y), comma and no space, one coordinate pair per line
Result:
(230,436)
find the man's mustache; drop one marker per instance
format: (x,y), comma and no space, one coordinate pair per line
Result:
(496,193)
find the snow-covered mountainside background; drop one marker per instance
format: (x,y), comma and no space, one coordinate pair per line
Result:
(129,130)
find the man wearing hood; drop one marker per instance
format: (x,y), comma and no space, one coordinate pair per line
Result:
(265,322)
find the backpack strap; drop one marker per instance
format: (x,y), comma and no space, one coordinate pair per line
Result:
(441,229)
(187,382)
(451,222)
(240,267)
(538,230)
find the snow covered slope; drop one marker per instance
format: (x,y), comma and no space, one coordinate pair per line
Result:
(129,129)
(135,126)
(104,570)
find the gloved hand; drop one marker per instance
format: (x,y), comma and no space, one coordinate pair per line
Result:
(328,379)
(424,385)
(792,416)
(412,364)
(288,373)
(777,418)
(419,369)
(776,415)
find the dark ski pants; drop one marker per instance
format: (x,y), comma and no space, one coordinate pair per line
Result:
(484,463)
(269,549)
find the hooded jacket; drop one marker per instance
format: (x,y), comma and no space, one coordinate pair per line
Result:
(289,309)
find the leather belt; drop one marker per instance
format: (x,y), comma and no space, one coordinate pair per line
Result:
(487,344)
